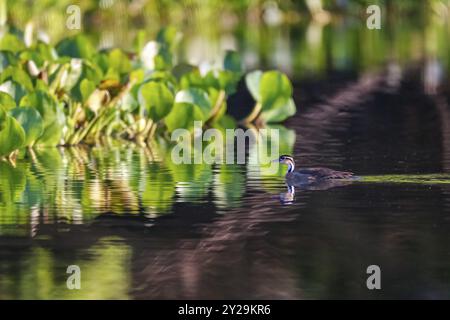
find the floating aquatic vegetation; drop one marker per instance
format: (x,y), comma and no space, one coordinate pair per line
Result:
(429,179)
(73,93)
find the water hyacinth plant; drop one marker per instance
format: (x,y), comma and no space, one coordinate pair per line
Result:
(73,93)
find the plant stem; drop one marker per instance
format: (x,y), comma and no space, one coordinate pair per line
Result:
(216,109)
(147,128)
(254,114)
(152,132)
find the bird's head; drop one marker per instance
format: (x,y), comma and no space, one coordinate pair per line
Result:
(285,159)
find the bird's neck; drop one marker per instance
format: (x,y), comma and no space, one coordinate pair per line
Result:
(291,166)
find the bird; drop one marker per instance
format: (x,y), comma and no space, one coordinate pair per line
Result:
(322,178)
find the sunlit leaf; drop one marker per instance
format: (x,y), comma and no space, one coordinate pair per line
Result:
(12,135)
(253,80)
(51,113)
(281,113)
(87,87)
(157,99)
(196,97)
(119,61)
(6,101)
(18,75)
(31,121)
(78,46)
(275,90)
(10,42)
(183,116)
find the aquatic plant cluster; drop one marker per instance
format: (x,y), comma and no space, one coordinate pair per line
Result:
(72,93)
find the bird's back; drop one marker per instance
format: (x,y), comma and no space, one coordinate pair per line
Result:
(309,175)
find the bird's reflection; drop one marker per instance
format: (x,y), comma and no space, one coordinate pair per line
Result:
(288,197)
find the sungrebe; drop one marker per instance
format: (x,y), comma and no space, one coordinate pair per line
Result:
(307,176)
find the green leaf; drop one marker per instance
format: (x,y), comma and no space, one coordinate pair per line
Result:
(92,72)
(6,101)
(191,78)
(14,89)
(73,74)
(182,69)
(169,37)
(157,99)
(52,116)
(183,116)
(52,134)
(44,103)
(139,41)
(228,81)
(87,87)
(196,97)
(275,90)
(281,113)
(78,46)
(253,81)
(119,61)
(7,58)
(12,135)
(17,75)
(232,62)
(11,43)
(155,56)
(31,121)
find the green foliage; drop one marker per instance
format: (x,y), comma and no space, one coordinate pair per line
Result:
(72,92)
(272,92)
(12,135)
(253,81)
(6,101)
(53,118)
(17,75)
(78,46)
(157,99)
(31,121)
(183,116)
(10,42)
(232,62)
(196,97)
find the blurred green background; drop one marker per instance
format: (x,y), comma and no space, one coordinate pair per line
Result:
(298,37)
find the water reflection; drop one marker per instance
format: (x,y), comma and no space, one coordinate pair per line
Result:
(78,184)
(288,196)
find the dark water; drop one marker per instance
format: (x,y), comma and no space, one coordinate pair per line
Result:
(140,227)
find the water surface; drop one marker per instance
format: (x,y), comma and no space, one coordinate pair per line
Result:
(140,227)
